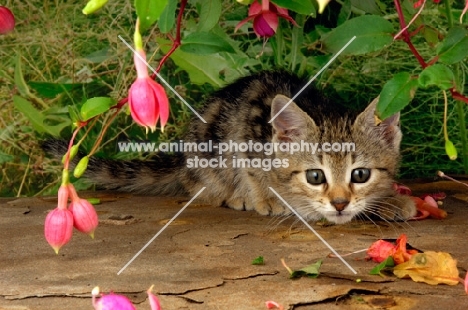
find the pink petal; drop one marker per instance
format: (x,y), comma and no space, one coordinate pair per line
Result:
(431,201)
(270,304)
(58,228)
(242,22)
(154,301)
(380,250)
(255,8)
(7,20)
(288,18)
(114,302)
(272,20)
(162,101)
(142,103)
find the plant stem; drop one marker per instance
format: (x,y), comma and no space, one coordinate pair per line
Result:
(176,42)
(406,36)
(463,136)
(460,105)
(448,12)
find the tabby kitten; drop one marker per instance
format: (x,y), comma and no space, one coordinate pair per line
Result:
(333,185)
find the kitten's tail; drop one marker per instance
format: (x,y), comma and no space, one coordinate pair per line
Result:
(159,175)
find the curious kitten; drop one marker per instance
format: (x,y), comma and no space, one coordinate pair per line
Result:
(333,185)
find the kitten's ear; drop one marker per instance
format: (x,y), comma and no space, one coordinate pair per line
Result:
(388,129)
(292,124)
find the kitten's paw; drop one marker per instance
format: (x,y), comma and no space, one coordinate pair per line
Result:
(401,208)
(270,207)
(236,204)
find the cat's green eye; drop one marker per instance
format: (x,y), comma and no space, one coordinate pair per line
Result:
(360,175)
(315,176)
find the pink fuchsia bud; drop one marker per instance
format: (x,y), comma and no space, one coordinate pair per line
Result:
(85,218)
(111,301)
(58,227)
(154,301)
(7,20)
(147,99)
(265,18)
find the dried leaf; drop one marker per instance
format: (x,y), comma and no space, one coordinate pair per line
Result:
(429,267)
(311,271)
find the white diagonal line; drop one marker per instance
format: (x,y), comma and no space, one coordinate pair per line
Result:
(313,78)
(160,231)
(313,230)
(162,80)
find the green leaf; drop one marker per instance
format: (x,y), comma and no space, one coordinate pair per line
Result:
(368,6)
(51,90)
(95,106)
(5,158)
(168,16)
(258,261)
(200,68)
(396,94)
(311,271)
(149,11)
(454,48)
(438,75)
(204,43)
(373,33)
(210,12)
(345,12)
(19,78)
(32,114)
(299,6)
(386,264)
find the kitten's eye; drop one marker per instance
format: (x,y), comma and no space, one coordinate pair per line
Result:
(315,176)
(360,175)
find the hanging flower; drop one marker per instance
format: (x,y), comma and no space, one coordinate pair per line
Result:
(147,99)
(85,218)
(265,18)
(58,227)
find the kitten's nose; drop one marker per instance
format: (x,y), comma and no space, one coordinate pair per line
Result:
(339,203)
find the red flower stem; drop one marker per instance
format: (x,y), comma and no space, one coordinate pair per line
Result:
(175,42)
(406,36)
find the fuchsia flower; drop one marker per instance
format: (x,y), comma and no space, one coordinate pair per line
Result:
(7,20)
(58,227)
(59,223)
(85,218)
(119,302)
(147,99)
(265,18)
(111,301)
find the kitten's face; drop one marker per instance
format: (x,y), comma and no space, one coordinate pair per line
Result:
(338,186)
